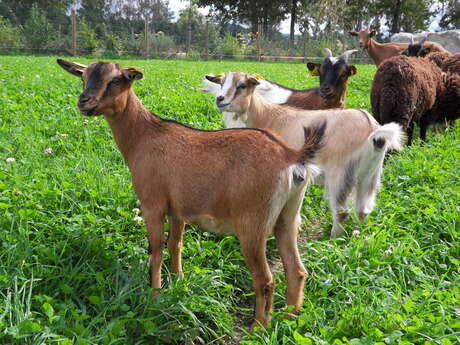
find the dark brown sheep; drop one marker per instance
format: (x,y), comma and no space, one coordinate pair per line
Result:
(410,90)
(451,64)
(404,91)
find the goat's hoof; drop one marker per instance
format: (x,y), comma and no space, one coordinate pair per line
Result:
(259,325)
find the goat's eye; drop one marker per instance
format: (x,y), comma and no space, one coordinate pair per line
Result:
(241,86)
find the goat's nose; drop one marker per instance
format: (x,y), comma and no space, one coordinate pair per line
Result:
(326,89)
(219,99)
(84,99)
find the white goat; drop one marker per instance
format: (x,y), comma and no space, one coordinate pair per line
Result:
(353,149)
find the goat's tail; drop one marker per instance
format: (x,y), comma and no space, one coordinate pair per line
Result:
(313,142)
(389,136)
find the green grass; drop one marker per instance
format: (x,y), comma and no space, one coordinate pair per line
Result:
(73,260)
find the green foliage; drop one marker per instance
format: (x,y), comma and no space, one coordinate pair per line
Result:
(10,36)
(229,46)
(162,43)
(73,259)
(38,31)
(87,38)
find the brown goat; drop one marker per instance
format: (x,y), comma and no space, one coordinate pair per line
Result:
(378,51)
(241,181)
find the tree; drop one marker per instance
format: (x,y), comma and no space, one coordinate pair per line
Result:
(38,31)
(451,16)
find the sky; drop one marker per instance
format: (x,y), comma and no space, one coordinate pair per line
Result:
(176,5)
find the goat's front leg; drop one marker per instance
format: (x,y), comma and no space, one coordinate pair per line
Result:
(253,244)
(154,222)
(176,232)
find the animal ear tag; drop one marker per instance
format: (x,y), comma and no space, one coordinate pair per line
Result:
(258,76)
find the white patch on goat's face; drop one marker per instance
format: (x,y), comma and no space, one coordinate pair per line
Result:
(333,60)
(228,89)
(272,92)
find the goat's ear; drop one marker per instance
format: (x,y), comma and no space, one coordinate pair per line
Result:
(132,73)
(353,33)
(215,78)
(352,70)
(313,67)
(372,33)
(253,80)
(74,68)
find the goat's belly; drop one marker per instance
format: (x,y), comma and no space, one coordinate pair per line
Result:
(210,223)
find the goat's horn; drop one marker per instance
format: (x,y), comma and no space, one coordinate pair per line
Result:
(411,39)
(328,53)
(371,22)
(344,57)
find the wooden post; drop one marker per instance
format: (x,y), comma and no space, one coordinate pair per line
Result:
(189,29)
(74,32)
(259,36)
(206,40)
(146,38)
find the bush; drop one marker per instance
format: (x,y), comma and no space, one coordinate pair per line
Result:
(162,43)
(10,37)
(229,45)
(87,38)
(38,31)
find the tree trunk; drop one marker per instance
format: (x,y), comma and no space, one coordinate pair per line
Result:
(293,20)
(74,32)
(396,24)
(189,29)
(206,40)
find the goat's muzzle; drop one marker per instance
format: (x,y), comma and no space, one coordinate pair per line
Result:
(87,105)
(219,100)
(326,92)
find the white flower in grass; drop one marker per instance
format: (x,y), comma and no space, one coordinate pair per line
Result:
(355,233)
(10,160)
(388,251)
(138,220)
(85,122)
(48,151)
(64,135)
(136,210)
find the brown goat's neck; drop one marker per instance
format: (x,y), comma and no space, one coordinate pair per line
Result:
(129,125)
(261,113)
(373,48)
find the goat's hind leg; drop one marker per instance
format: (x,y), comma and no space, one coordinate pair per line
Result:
(339,186)
(253,246)
(286,233)
(176,232)
(366,192)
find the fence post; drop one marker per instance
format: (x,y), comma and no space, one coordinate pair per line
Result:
(189,29)
(206,38)
(146,38)
(74,32)
(259,34)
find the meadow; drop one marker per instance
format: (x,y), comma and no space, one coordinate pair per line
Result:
(73,253)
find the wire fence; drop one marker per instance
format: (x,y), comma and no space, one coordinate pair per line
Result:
(72,37)
(128,54)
